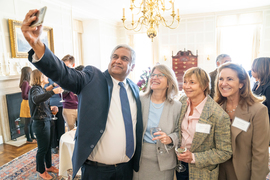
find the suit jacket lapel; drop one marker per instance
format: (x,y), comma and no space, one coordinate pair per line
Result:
(110,86)
(206,113)
(145,112)
(243,114)
(163,117)
(183,112)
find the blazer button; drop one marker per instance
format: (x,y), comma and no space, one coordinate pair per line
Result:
(101,131)
(92,146)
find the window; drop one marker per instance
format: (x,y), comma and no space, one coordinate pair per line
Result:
(239,37)
(77,38)
(144,55)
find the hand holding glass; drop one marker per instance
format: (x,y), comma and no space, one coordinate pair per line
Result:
(54,110)
(179,149)
(153,130)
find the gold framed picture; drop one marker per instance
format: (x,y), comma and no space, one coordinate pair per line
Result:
(18,44)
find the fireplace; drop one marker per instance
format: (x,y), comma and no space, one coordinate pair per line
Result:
(13,106)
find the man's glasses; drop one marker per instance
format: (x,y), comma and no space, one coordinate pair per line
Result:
(159,76)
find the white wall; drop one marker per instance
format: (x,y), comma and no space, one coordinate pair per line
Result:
(99,39)
(198,32)
(58,16)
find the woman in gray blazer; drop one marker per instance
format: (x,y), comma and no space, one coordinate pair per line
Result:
(159,109)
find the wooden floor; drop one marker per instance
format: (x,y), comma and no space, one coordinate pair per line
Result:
(9,152)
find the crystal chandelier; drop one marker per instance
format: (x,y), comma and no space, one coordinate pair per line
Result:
(151,16)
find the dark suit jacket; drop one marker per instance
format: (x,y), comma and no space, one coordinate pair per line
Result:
(213,75)
(94,90)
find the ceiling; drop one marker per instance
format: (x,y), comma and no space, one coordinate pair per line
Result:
(112,10)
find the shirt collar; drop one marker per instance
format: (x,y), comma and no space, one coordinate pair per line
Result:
(116,81)
(200,106)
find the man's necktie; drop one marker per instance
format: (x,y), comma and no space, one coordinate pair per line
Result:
(127,120)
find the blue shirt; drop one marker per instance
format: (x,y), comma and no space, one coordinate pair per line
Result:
(55,99)
(155,112)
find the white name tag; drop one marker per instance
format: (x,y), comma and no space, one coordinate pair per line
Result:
(203,128)
(240,124)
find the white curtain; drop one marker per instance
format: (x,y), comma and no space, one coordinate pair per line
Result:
(239,36)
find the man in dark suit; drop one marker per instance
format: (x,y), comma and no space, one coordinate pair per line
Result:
(102,140)
(221,59)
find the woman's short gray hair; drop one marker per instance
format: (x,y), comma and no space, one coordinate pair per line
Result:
(132,52)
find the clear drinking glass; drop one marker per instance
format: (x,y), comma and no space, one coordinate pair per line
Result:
(180,148)
(54,113)
(62,100)
(154,130)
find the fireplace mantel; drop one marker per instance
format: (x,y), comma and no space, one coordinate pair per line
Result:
(8,85)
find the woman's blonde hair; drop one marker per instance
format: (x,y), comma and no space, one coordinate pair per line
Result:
(246,95)
(201,76)
(36,78)
(172,90)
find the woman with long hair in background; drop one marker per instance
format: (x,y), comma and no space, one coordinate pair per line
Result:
(25,110)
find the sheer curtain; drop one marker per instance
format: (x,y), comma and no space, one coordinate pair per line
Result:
(77,45)
(239,36)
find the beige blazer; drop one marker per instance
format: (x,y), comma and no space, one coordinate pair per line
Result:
(169,124)
(250,149)
(209,149)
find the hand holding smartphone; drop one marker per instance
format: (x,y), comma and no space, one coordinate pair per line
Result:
(40,17)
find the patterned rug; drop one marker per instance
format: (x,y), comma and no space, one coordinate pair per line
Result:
(24,167)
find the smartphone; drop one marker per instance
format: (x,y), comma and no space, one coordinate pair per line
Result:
(40,17)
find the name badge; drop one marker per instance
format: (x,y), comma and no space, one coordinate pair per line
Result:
(240,124)
(203,128)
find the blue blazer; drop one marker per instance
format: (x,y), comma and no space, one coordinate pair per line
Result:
(94,90)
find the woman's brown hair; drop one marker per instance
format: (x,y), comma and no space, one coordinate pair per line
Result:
(25,75)
(246,95)
(261,66)
(36,78)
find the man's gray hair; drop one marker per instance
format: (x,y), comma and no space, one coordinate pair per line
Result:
(221,56)
(132,52)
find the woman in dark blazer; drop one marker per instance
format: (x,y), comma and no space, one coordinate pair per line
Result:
(159,109)
(41,114)
(260,70)
(249,125)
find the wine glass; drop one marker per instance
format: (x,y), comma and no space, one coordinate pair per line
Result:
(180,149)
(153,130)
(62,100)
(54,113)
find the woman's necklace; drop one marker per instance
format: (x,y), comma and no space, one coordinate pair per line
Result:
(231,111)
(162,104)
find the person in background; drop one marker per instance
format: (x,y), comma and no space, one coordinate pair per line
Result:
(79,68)
(70,103)
(261,72)
(58,125)
(221,59)
(159,109)
(249,125)
(41,115)
(25,110)
(205,129)
(109,134)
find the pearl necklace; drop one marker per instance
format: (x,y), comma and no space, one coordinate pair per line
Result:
(231,111)
(156,106)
